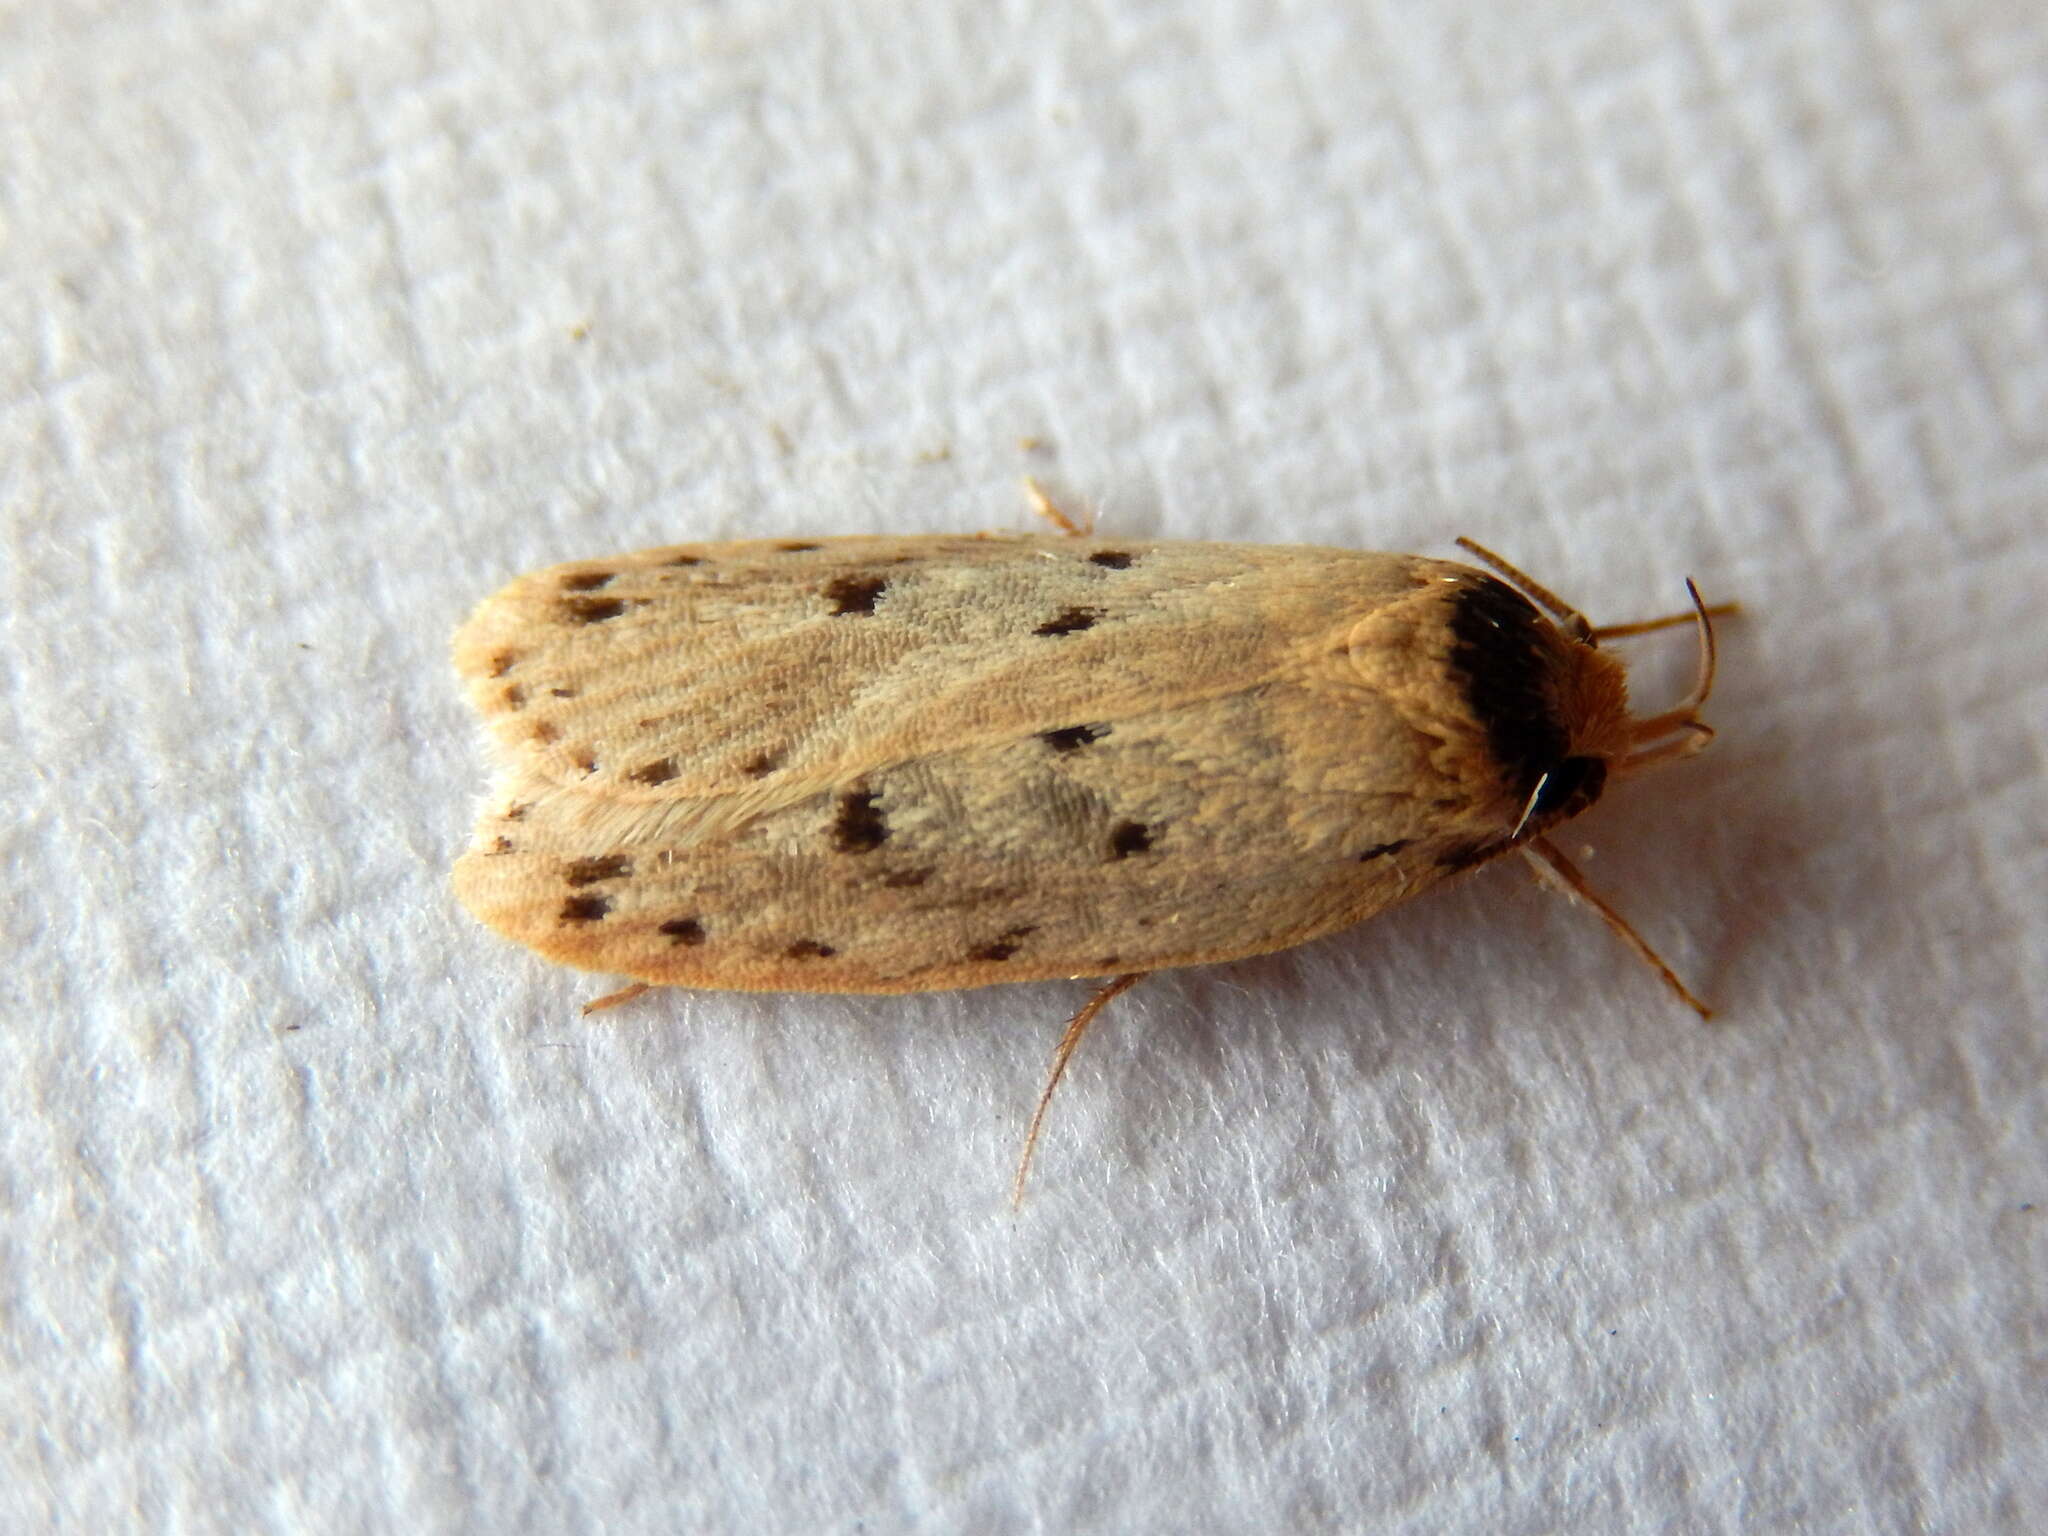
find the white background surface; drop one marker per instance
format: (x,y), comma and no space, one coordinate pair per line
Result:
(325,1211)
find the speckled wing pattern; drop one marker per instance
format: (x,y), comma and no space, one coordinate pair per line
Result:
(894,764)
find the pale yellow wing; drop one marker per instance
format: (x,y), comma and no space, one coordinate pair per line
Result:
(892,764)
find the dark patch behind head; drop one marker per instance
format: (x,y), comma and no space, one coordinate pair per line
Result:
(1501,656)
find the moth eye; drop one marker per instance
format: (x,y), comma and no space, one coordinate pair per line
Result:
(1569,788)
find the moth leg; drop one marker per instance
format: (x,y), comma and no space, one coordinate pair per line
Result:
(1077,1026)
(613,999)
(1045,507)
(1556,869)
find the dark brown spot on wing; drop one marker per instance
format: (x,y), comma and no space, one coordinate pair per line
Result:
(612,866)
(1000,948)
(795,547)
(1129,837)
(660,771)
(592,610)
(684,560)
(683,930)
(1069,621)
(1465,855)
(858,826)
(585,909)
(1114,559)
(1381,850)
(809,949)
(761,764)
(1071,738)
(502,663)
(586,581)
(854,594)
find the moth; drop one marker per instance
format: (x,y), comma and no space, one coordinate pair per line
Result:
(897,764)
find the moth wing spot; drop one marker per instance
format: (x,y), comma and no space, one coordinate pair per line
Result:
(503,662)
(563,693)
(1069,621)
(611,866)
(592,610)
(546,733)
(514,697)
(1113,559)
(1464,855)
(660,771)
(907,879)
(1071,738)
(682,930)
(683,560)
(858,827)
(501,845)
(761,764)
(1382,850)
(809,949)
(854,594)
(1003,947)
(1129,837)
(587,581)
(585,909)
(797,547)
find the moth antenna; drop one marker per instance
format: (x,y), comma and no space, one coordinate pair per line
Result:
(1686,715)
(1077,1026)
(1663,621)
(1551,863)
(1574,621)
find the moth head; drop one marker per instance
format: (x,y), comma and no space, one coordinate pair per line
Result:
(1553,704)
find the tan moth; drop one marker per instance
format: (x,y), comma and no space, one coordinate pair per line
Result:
(883,764)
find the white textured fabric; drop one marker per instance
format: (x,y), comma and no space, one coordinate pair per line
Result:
(326,1211)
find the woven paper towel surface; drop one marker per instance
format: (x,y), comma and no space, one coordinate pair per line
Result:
(326,1212)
